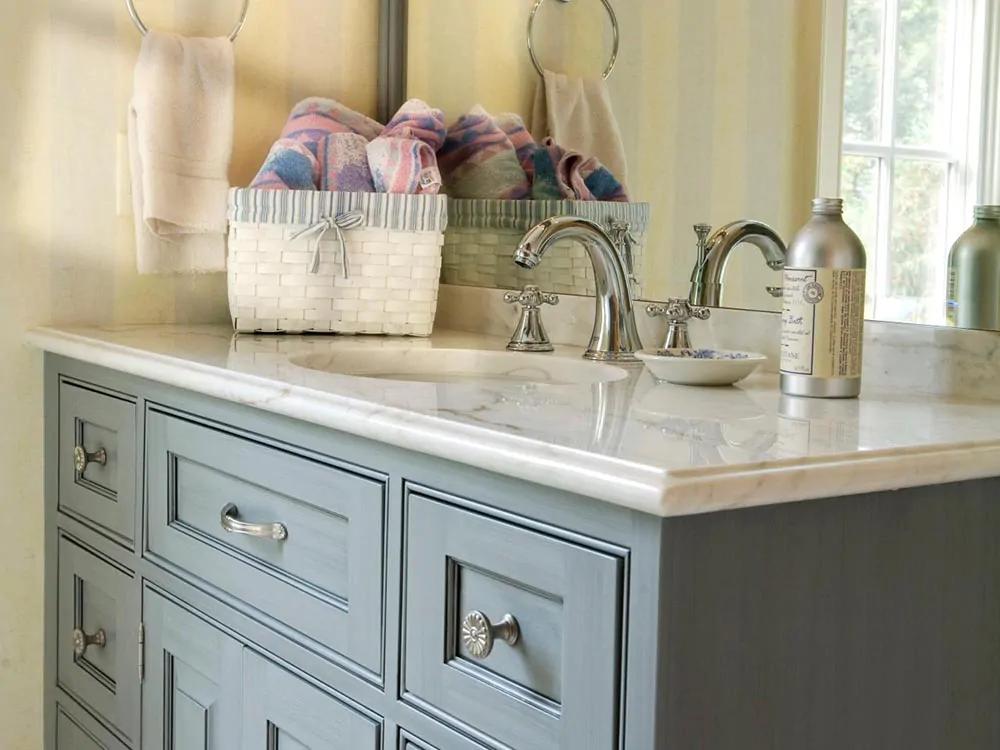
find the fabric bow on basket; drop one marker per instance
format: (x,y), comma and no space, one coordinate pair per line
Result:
(350,220)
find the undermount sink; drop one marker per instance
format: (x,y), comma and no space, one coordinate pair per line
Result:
(479,367)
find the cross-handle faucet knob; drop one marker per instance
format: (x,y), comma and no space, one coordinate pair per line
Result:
(703,231)
(530,335)
(532,296)
(678,312)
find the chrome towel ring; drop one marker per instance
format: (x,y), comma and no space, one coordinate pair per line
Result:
(614,28)
(130,4)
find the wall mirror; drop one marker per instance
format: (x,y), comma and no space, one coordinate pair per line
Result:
(747,109)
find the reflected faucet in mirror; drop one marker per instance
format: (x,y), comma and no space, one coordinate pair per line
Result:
(615,337)
(714,252)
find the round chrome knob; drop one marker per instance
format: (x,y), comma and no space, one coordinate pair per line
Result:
(82,641)
(479,634)
(82,459)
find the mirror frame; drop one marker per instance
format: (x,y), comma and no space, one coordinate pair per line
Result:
(392,35)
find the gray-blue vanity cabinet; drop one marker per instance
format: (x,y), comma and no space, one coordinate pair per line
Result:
(557,686)
(98,634)
(320,574)
(97,460)
(192,696)
(282,711)
(864,622)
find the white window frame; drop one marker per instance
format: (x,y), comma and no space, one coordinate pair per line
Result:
(974,165)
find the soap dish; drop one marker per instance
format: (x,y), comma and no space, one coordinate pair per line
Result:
(700,366)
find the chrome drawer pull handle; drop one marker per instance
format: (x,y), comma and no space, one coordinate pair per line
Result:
(82,459)
(82,641)
(276,531)
(479,634)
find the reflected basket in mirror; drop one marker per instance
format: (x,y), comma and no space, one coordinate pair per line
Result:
(482,235)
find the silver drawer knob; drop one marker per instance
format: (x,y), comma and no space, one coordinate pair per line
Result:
(82,459)
(82,641)
(479,634)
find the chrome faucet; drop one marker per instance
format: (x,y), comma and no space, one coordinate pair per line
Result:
(713,256)
(615,337)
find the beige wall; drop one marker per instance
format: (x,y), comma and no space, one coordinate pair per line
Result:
(717,99)
(65,77)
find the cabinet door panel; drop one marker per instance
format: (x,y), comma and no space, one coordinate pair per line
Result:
(77,731)
(97,601)
(282,712)
(194,679)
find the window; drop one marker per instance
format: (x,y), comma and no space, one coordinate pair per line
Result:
(917,133)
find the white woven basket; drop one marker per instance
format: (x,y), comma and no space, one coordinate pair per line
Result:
(288,271)
(482,236)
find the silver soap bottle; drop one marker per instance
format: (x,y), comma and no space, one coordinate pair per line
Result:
(974,273)
(823,308)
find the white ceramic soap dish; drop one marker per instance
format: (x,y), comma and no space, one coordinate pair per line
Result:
(700,366)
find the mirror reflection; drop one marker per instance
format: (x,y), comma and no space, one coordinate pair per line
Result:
(743,111)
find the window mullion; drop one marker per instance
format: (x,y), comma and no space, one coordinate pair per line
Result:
(887,171)
(890,60)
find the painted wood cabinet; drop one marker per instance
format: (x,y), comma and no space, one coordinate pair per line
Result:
(220,578)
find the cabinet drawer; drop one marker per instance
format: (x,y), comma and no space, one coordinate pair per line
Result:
(97,459)
(77,731)
(320,574)
(557,686)
(97,653)
(281,710)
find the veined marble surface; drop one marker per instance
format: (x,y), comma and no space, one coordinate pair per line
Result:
(660,449)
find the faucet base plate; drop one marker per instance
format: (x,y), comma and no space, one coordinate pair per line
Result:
(620,358)
(520,346)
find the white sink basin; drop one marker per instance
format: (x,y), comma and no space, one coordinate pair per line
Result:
(479,367)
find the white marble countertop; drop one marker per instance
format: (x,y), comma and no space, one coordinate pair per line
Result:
(660,449)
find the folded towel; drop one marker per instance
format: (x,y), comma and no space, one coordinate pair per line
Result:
(403,159)
(525,146)
(416,119)
(569,175)
(403,165)
(478,160)
(577,114)
(180,143)
(290,165)
(545,186)
(315,118)
(345,168)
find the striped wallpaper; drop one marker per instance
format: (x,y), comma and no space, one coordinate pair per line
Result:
(65,81)
(717,99)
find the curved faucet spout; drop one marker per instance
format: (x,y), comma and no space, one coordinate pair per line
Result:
(706,282)
(615,337)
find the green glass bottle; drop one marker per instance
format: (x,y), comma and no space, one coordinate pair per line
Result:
(974,274)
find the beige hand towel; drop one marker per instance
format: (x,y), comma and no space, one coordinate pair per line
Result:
(180,144)
(577,114)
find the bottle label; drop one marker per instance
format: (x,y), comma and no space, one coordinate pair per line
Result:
(951,310)
(823,314)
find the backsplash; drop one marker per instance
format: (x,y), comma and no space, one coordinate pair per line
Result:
(907,358)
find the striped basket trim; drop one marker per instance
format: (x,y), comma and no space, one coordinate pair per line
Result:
(522,215)
(399,213)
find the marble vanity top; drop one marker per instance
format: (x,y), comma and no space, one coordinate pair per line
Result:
(660,449)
